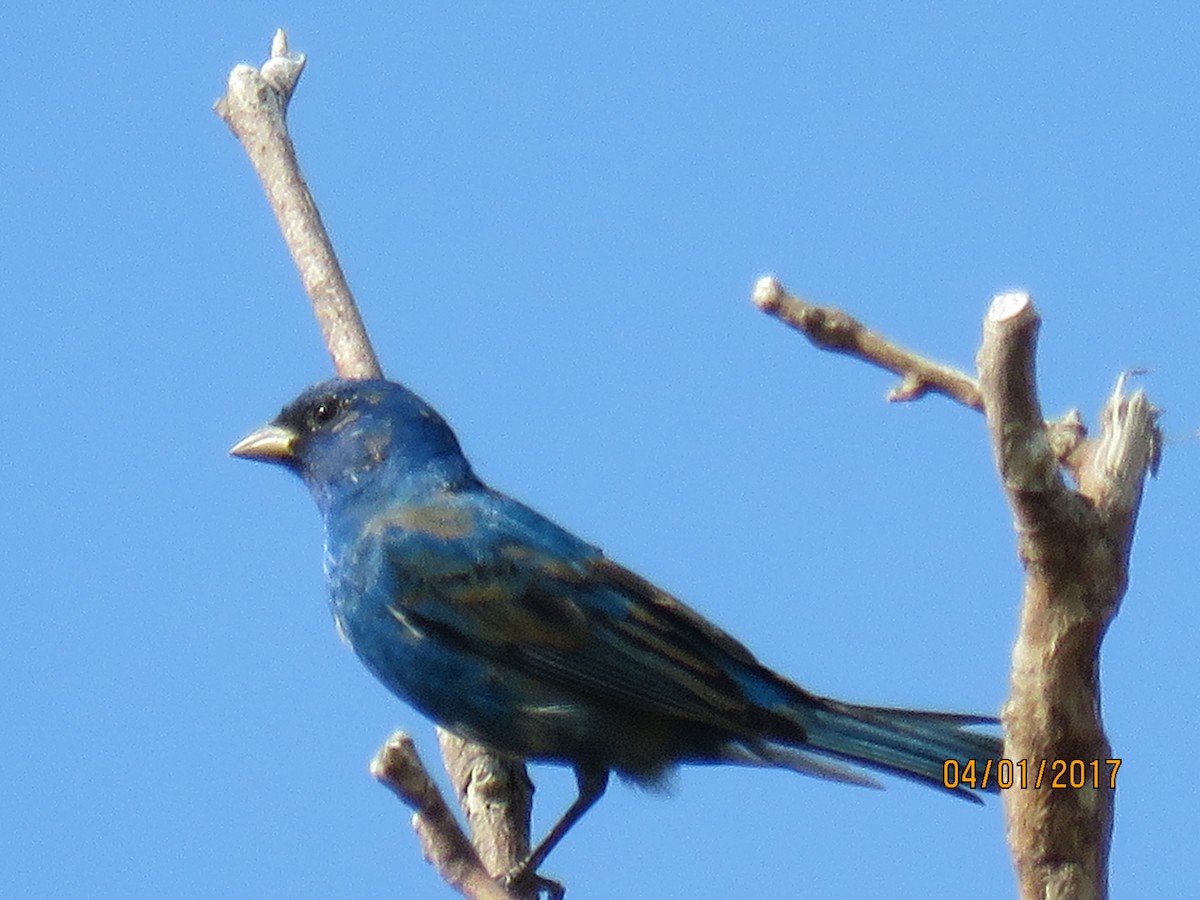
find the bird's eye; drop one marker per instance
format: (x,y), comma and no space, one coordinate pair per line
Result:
(325,411)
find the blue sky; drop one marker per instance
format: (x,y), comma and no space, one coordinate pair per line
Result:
(552,219)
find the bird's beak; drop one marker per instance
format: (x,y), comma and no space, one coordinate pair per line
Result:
(271,443)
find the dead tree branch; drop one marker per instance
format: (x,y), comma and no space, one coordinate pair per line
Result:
(496,793)
(398,767)
(832,329)
(1074,545)
(255,109)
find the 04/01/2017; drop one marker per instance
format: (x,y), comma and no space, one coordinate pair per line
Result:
(1024,773)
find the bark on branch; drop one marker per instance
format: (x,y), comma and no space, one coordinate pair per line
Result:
(831,329)
(496,793)
(255,109)
(398,767)
(1074,544)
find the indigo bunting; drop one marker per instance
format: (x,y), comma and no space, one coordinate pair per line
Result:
(512,632)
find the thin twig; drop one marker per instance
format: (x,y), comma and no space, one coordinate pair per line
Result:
(828,328)
(832,329)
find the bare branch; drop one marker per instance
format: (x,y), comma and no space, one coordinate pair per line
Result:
(255,109)
(832,329)
(498,815)
(398,767)
(1007,357)
(1074,545)
(1114,472)
(1075,549)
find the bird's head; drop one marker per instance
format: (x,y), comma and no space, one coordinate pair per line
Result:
(345,438)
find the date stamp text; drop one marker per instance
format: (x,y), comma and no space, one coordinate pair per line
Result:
(1025,773)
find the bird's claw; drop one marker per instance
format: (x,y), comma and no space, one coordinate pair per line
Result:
(520,878)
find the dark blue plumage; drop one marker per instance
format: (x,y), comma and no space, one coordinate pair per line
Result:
(511,631)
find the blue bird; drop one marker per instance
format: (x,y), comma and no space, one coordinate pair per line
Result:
(512,632)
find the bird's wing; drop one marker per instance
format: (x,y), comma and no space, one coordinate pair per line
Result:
(494,579)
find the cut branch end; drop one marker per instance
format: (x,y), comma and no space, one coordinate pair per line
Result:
(768,293)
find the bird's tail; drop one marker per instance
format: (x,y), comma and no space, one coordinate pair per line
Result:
(910,743)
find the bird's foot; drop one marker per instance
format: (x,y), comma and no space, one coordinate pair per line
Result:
(520,878)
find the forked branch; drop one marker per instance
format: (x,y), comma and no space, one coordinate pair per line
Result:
(1074,544)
